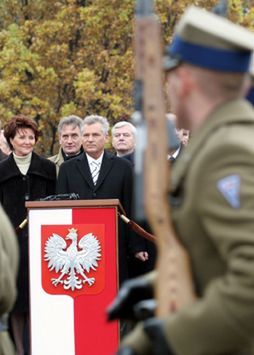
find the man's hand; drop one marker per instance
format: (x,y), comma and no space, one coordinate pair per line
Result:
(131,292)
(142,255)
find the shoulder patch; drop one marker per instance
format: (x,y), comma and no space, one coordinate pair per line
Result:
(229,187)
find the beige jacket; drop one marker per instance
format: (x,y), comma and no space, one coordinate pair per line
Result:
(58,160)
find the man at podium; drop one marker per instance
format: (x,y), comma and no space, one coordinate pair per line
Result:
(97,174)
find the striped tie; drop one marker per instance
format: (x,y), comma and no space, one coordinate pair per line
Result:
(95,169)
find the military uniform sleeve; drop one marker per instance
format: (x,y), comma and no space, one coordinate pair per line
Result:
(221,321)
(8,264)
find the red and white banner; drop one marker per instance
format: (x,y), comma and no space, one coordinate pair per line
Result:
(73,278)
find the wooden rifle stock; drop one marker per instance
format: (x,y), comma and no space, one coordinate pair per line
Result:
(174,286)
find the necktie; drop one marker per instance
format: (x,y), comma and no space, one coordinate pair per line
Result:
(95,169)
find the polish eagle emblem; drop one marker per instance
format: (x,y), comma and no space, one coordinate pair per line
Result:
(72,261)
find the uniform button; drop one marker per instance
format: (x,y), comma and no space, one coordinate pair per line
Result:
(94,194)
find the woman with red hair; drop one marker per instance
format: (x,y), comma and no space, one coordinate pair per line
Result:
(24,176)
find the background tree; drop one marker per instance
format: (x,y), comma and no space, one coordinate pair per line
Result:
(75,57)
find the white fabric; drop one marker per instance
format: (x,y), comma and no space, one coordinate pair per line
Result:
(94,165)
(95,170)
(23,163)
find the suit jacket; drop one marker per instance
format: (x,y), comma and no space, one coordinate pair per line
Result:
(130,157)
(115,181)
(137,243)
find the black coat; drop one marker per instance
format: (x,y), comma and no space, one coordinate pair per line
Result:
(137,243)
(15,190)
(2,155)
(130,157)
(115,181)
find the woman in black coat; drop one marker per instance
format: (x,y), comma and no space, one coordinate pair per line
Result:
(24,176)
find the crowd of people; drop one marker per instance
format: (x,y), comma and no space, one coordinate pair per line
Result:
(82,166)
(211,197)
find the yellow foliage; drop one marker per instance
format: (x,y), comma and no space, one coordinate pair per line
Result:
(60,58)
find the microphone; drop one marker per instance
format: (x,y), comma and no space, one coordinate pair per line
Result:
(71,196)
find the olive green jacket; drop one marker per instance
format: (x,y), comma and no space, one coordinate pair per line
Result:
(213,212)
(8,272)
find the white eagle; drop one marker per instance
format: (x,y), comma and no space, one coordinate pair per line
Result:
(72,261)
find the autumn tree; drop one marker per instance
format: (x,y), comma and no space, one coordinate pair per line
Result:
(75,57)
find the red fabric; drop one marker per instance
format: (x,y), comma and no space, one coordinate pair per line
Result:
(93,334)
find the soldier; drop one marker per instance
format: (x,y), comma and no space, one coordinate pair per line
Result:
(8,272)
(213,195)
(70,140)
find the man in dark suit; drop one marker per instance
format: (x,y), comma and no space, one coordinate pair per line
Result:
(142,252)
(124,139)
(97,174)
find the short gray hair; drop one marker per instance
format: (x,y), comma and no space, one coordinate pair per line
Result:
(122,124)
(76,121)
(89,120)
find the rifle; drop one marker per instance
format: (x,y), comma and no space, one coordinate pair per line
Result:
(174,286)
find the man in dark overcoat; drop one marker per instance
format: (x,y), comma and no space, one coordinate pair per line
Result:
(97,174)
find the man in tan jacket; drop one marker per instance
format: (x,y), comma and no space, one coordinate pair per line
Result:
(212,190)
(8,272)
(70,140)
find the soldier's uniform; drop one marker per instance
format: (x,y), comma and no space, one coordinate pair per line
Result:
(213,203)
(212,197)
(8,272)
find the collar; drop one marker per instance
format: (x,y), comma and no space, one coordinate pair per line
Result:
(22,160)
(68,157)
(90,159)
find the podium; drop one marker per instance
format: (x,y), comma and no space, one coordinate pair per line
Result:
(73,268)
